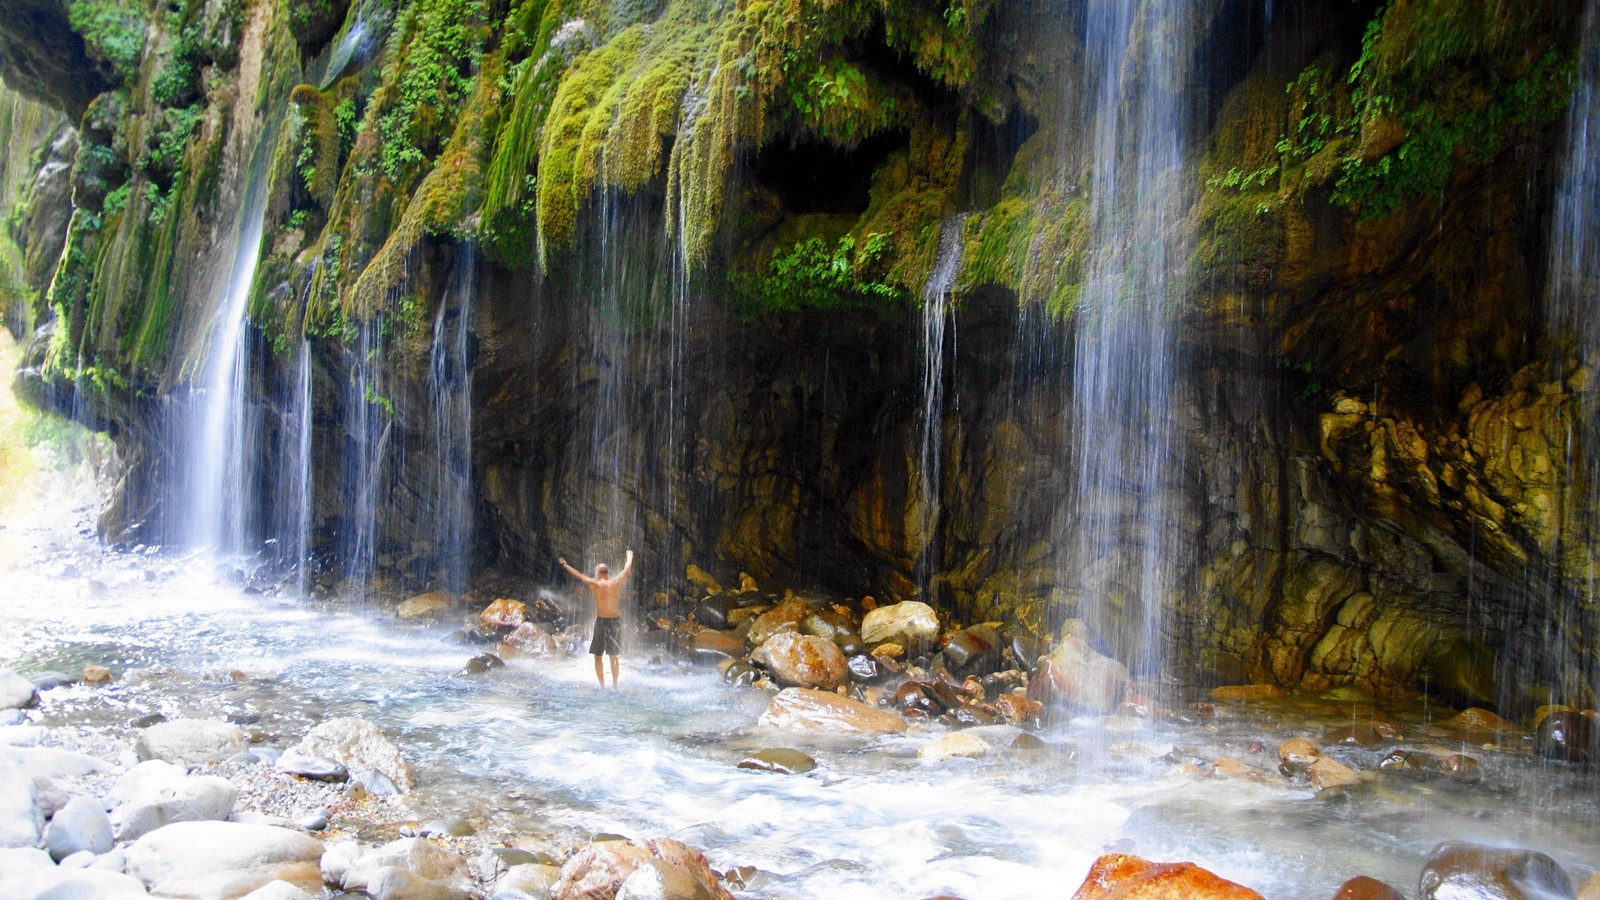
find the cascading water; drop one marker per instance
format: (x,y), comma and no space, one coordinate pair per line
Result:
(936,320)
(450,395)
(369,425)
(1573,308)
(1124,368)
(221,440)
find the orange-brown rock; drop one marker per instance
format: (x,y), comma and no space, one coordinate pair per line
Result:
(1362,887)
(502,614)
(432,605)
(1120,876)
(1476,719)
(807,708)
(527,639)
(711,642)
(802,660)
(786,616)
(1246,693)
(1017,709)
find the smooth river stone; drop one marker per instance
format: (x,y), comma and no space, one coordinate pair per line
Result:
(216,859)
(807,709)
(911,623)
(779,759)
(802,660)
(16,692)
(1461,869)
(190,742)
(80,825)
(1120,876)
(360,747)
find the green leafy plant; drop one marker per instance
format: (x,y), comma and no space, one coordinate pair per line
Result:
(813,274)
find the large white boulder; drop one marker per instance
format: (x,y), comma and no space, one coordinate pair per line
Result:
(190,742)
(353,867)
(224,859)
(911,624)
(155,794)
(20,819)
(29,872)
(360,747)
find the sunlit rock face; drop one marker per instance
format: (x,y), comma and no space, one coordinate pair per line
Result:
(1363,477)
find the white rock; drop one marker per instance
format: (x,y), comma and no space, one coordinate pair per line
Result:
(353,868)
(279,890)
(29,872)
(658,880)
(526,882)
(217,859)
(80,825)
(82,859)
(953,745)
(16,692)
(911,624)
(49,762)
(395,883)
(1082,678)
(190,742)
(22,735)
(20,819)
(155,794)
(359,746)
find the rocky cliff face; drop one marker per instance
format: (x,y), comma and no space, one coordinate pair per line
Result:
(675,253)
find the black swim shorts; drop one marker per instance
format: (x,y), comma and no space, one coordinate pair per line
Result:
(607,637)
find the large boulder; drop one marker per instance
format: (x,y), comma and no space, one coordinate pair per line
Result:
(802,660)
(911,624)
(786,616)
(809,709)
(527,639)
(20,819)
(155,794)
(607,869)
(1074,675)
(224,859)
(16,692)
(1125,877)
(360,747)
(1461,869)
(502,615)
(190,742)
(29,872)
(430,607)
(52,762)
(353,867)
(80,825)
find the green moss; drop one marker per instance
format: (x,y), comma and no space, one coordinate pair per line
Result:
(440,47)
(113,30)
(818,274)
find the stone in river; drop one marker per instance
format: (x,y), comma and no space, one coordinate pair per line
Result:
(976,648)
(80,825)
(481,663)
(786,616)
(711,643)
(1477,719)
(1326,773)
(279,890)
(20,818)
(802,660)
(713,612)
(1246,693)
(16,692)
(29,872)
(423,607)
(1019,710)
(395,883)
(1461,869)
(911,624)
(502,615)
(51,679)
(154,794)
(527,639)
(1296,755)
(779,759)
(1120,876)
(1362,887)
(1358,735)
(360,747)
(1568,736)
(223,859)
(189,742)
(805,708)
(93,674)
(956,744)
(1076,676)
(525,882)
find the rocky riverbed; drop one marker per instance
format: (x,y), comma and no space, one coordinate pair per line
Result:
(174,735)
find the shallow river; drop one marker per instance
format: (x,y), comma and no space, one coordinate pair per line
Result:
(538,748)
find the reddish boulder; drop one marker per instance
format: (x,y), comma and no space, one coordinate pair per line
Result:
(1363,888)
(1119,876)
(502,615)
(802,660)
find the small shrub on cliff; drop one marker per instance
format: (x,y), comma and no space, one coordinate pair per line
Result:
(113,30)
(812,274)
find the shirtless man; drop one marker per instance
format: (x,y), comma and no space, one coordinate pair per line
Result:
(607,615)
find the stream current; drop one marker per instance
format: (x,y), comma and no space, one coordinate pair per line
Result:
(538,748)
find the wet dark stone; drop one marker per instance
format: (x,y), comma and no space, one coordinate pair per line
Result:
(828,625)
(712,612)
(967,715)
(865,668)
(1362,887)
(1026,741)
(947,695)
(146,720)
(973,649)
(1026,649)
(317,769)
(913,695)
(1569,737)
(784,760)
(741,674)
(1460,869)
(852,645)
(514,856)
(482,663)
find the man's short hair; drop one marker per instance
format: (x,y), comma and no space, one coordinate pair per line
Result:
(601,569)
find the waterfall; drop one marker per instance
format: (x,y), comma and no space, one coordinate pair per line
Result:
(1573,309)
(450,396)
(222,436)
(1124,353)
(369,424)
(935,322)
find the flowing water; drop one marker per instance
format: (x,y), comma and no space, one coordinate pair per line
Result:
(538,749)
(936,321)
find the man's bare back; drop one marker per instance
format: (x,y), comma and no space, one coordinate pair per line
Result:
(607,591)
